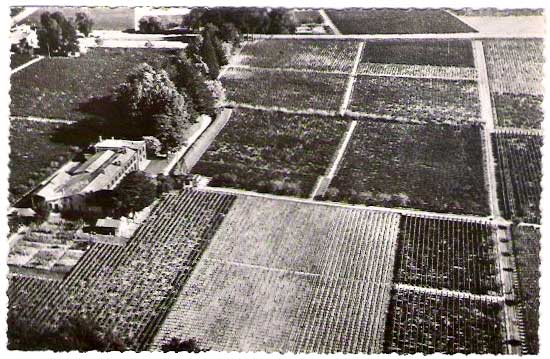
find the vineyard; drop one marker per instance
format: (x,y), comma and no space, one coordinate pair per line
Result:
(131,288)
(519,174)
(421,71)
(285,89)
(435,168)
(320,55)
(34,156)
(520,111)
(455,53)
(396,21)
(526,242)
(272,151)
(17,60)
(447,254)
(422,322)
(45,90)
(285,276)
(416,99)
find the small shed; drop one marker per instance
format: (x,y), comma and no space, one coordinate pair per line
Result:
(108,226)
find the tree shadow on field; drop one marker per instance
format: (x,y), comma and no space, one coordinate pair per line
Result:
(104,119)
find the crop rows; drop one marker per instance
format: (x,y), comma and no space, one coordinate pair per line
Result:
(420,71)
(452,53)
(515,66)
(272,151)
(130,289)
(416,99)
(520,111)
(393,164)
(285,89)
(396,21)
(519,174)
(320,55)
(526,241)
(421,322)
(447,254)
(286,276)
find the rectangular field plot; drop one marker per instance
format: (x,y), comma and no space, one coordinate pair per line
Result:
(446,254)
(515,66)
(396,21)
(61,87)
(435,168)
(416,99)
(34,156)
(526,242)
(285,89)
(272,152)
(519,174)
(429,323)
(520,111)
(130,288)
(320,55)
(420,71)
(452,53)
(311,278)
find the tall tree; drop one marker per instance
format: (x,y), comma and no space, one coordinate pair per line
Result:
(208,54)
(135,192)
(57,35)
(150,25)
(189,79)
(154,107)
(84,23)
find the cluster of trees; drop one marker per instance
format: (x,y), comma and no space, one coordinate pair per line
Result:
(151,25)
(246,20)
(208,50)
(57,35)
(79,333)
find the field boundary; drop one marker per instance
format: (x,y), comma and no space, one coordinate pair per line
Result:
(43,120)
(377,74)
(328,22)
(449,292)
(27,64)
(285,69)
(448,36)
(518,131)
(351,79)
(231,104)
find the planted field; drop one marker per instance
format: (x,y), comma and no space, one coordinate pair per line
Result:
(60,87)
(105,18)
(447,254)
(285,89)
(33,156)
(519,175)
(515,66)
(396,21)
(130,289)
(421,71)
(456,53)
(17,60)
(416,99)
(520,111)
(320,55)
(310,278)
(526,242)
(272,151)
(435,168)
(429,323)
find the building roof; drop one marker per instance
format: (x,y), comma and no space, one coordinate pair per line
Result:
(93,163)
(108,222)
(114,143)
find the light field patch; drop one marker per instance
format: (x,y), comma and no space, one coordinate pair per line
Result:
(287,276)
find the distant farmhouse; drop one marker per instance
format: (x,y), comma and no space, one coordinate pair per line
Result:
(69,187)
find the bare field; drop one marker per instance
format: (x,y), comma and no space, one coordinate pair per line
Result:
(286,276)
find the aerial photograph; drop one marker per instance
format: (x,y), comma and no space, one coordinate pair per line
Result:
(271,179)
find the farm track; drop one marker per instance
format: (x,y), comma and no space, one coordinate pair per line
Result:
(328,21)
(43,120)
(33,61)
(286,69)
(471,36)
(449,293)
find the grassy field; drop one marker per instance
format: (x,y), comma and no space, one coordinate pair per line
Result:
(282,276)
(33,156)
(58,87)
(457,53)
(105,18)
(416,99)
(286,89)
(435,168)
(321,55)
(17,60)
(526,242)
(272,151)
(519,175)
(396,21)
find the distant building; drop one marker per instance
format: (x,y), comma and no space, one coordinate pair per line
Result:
(68,188)
(23,38)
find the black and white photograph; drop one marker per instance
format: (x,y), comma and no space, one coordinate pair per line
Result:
(206,178)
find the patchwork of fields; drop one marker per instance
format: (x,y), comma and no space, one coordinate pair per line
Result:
(105,18)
